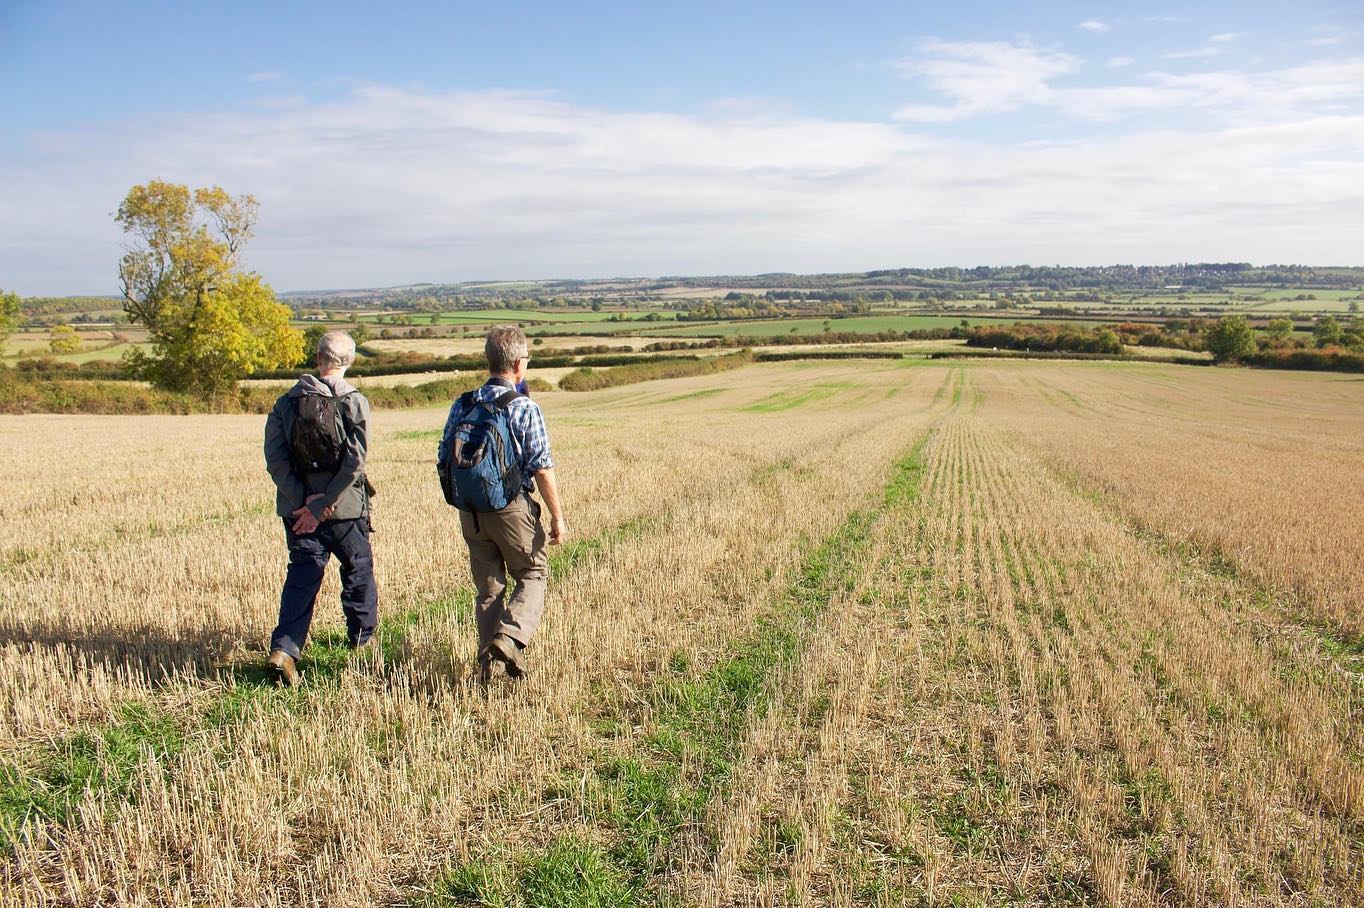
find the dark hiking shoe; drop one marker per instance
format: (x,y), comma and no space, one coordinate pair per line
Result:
(285,668)
(488,668)
(506,650)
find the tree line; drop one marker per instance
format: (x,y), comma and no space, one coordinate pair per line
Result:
(1332,344)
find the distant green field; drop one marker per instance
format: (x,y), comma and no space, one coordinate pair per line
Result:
(112,354)
(1276,300)
(635,326)
(1170,300)
(26,344)
(1289,294)
(497,316)
(862,325)
(30,344)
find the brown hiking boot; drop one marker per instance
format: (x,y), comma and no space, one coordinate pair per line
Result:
(506,650)
(285,668)
(488,668)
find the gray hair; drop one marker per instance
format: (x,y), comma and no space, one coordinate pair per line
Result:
(506,344)
(336,350)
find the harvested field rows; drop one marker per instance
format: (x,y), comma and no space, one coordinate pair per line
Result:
(826,634)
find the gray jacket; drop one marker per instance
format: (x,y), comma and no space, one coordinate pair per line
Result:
(346,487)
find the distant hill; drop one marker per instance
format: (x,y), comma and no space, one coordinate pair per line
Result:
(1202,276)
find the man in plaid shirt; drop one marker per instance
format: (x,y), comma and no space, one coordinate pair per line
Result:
(512,540)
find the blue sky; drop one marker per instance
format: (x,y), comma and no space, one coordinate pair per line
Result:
(443,142)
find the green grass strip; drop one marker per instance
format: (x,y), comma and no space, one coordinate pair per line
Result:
(105,759)
(790,400)
(698,722)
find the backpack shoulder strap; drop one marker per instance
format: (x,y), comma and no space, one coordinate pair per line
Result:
(343,413)
(503,400)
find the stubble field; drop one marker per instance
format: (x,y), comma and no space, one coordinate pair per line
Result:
(854,634)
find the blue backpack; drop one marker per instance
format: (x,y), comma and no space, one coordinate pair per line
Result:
(481,472)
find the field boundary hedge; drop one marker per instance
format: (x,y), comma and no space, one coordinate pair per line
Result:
(1329,360)
(51,370)
(589,379)
(827,354)
(22,396)
(1066,354)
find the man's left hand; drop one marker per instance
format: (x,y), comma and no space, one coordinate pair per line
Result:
(304,521)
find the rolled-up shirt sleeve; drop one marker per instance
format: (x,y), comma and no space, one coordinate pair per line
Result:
(534,440)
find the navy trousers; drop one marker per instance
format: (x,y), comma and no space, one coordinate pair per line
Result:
(348,540)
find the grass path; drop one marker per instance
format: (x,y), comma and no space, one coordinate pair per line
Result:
(660,800)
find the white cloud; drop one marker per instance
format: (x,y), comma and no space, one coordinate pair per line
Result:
(977,79)
(1110,102)
(270,76)
(982,77)
(390,185)
(1225,37)
(1095,25)
(1286,92)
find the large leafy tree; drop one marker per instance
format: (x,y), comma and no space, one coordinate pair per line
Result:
(210,322)
(1328,332)
(9,316)
(1231,339)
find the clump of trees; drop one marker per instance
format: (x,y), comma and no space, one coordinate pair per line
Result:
(1333,346)
(1231,339)
(210,322)
(1045,338)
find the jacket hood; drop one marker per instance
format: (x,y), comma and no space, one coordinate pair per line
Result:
(332,386)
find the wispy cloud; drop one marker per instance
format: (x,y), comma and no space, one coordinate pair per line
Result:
(1326,41)
(268,76)
(390,185)
(982,77)
(1214,47)
(1095,25)
(977,79)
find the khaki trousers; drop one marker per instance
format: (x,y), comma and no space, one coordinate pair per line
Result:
(509,541)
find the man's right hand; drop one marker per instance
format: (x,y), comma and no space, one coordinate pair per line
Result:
(558,530)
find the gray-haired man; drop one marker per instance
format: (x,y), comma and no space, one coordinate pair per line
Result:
(510,540)
(316,439)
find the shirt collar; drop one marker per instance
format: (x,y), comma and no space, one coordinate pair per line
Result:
(499,381)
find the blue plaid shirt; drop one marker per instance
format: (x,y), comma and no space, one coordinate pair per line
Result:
(527,426)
